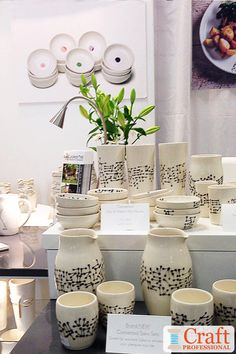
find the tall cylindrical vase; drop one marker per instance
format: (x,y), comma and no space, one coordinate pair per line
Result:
(22,294)
(111,165)
(205,167)
(140,165)
(172,159)
(3,305)
(166,266)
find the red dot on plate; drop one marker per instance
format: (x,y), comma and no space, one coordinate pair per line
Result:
(63,49)
(42,65)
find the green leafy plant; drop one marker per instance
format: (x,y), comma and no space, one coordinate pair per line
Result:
(119,120)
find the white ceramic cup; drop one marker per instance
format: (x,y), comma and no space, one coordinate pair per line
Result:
(3,305)
(202,193)
(22,295)
(115,297)
(77,318)
(191,307)
(9,339)
(224,293)
(218,195)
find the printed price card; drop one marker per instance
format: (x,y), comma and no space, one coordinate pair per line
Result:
(120,218)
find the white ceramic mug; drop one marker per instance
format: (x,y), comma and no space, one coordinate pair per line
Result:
(224,293)
(3,305)
(10,216)
(22,295)
(115,297)
(202,193)
(77,319)
(191,307)
(9,339)
(218,195)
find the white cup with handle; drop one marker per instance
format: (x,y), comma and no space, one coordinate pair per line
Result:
(10,215)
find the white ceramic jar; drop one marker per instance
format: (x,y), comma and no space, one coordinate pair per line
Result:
(224,293)
(77,319)
(79,263)
(203,194)
(166,266)
(218,195)
(204,167)
(192,307)
(173,169)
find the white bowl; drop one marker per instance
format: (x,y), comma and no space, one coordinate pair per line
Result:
(61,44)
(118,201)
(76,81)
(113,72)
(74,200)
(78,211)
(61,67)
(150,197)
(95,43)
(118,57)
(80,60)
(75,221)
(183,222)
(41,63)
(43,83)
(190,211)
(116,79)
(104,194)
(54,73)
(178,202)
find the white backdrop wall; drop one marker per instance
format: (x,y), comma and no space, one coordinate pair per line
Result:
(30,145)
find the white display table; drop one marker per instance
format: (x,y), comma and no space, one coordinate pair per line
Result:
(213,253)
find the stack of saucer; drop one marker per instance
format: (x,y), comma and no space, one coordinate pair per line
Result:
(77,210)
(79,61)
(60,45)
(150,198)
(110,195)
(95,43)
(117,63)
(42,68)
(179,211)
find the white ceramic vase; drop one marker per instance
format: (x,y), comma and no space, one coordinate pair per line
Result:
(173,170)
(203,194)
(204,167)
(117,297)
(111,165)
(224,294)
(166,266)
(22,295)
(77,319)
(140,165)
(79,263)
(3,305)
(192,307)
(218,195)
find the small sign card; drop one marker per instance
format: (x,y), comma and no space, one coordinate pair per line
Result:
(228,217)
(121,218)
(135,334)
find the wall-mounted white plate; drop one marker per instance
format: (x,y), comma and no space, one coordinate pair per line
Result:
(41,63)
(118,57)
(80,60)
(61,44)
(95,43)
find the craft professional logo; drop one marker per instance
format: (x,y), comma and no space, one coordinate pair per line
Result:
(73,157)
(198,339)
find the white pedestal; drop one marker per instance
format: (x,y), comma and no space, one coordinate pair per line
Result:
(213,253)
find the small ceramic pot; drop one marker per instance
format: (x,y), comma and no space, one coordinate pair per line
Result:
(183,222)
(191,307)
(111,165)
(3,305)
(202,193)
(77,319)
(115,297)
(173,171)
(9,339)
(205,167)
(22,295)
(218,195)
(224,293)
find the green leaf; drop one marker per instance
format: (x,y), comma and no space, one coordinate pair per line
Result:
(120,96)
(140,131)
(152,130)
(93,148)
(91,137)
(126,132)
(83,80)
(146,111)
(132,96)
(111,128)
(94,81)
(84,112)
(93,130)
(121,119)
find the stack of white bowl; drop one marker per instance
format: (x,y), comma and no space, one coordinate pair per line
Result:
(179,211)
(79,61)
(77,210)
(110,195)
(150,198)
(42,68)
(60,45)
(117,63)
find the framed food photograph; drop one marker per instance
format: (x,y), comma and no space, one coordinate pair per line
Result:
(214,44)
